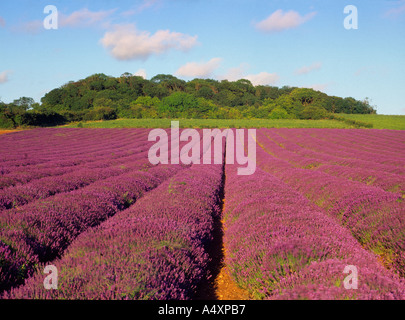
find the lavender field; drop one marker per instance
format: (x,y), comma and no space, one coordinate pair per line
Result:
(90,203)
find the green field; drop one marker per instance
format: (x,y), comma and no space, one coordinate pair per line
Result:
(212,123)
(378,122)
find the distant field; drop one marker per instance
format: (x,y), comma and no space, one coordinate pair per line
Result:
(379,121)
(213,123)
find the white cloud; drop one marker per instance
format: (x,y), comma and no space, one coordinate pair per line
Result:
(83,17)
(4,76)
(235,73)
(319,86)
(141,73)
(146,4)
(79,18)
(279,21)
(308,69)
(125,42)
(199,70)
(263,78)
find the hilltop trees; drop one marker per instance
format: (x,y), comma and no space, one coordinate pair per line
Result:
(26,112)
(102,97)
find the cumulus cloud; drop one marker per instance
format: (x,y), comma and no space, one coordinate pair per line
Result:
(83,17)
(80,18)
(279,21)
(308,69)
(146,4)
(199,70)
(262,78)
(4,76)
(125,42)
(236,73)
(141,73)
(319,86)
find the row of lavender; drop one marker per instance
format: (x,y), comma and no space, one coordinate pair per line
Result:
(16,196)
(367,145)
(280,246)
(156,249)
(45,144)
(304,149)
(374,216)
(330,147)
(58,164)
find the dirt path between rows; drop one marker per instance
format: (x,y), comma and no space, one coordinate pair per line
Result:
(225,287)
(220,286)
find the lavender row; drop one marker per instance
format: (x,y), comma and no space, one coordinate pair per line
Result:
(307,152)
(63,179)
(26,174)
(31,160)
(279,246)
(375,217)
(62,157)
(384,180)
(304,143)
(32,181)
(345,144)
(371,140)
(367,142)
(386,153)
(157,249)
(353,169)
(42,230)
(65,142)
(20,195)
(37,143)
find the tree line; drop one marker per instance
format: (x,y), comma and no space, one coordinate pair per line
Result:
(102,97)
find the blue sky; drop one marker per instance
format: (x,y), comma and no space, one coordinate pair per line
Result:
(283,42)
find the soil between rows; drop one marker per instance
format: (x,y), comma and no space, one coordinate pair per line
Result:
(220,285)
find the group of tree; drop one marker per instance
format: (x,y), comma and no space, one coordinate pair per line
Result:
(102,97)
